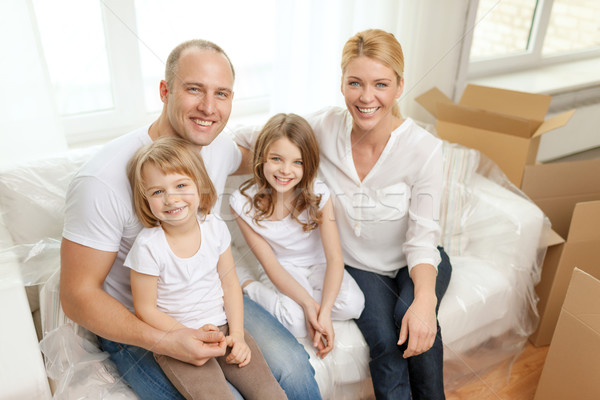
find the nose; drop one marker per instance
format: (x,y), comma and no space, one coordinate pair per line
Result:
(206,104)
(366,95)
(285,168)
(168,198)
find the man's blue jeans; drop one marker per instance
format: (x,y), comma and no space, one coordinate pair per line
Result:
(287,360)
(386,301)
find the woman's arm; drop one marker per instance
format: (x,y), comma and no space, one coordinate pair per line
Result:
(143,289)
(333,275)
(420,321)
(234,309)
(277,274)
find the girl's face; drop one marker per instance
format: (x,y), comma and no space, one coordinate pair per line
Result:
(173,198)
(370,89)
(283,167)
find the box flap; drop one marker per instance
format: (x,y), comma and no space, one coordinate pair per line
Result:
(583,299)
(487,120)
(518,104)
(507,151)
(551,180)
(431,98)
(554,238)
(555,122)
(557,187)
(585,222)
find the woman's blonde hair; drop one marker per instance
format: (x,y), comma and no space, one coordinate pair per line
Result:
(377,45)
(170,155)
(298,131)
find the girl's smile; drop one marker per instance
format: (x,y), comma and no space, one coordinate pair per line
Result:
(173,198)
(283,167)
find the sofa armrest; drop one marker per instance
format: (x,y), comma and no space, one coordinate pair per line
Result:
(23,374)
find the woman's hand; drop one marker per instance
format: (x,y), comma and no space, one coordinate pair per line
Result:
(420,325)
(240,352)
(323,341)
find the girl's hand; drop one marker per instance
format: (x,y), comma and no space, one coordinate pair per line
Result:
(240,352)
(311,315)
(324,340)
(312,312)
(420,325)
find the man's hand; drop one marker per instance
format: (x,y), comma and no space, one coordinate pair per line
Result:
(194,346)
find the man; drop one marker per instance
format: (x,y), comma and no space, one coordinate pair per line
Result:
(100,226)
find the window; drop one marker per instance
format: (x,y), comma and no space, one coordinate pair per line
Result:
(105,58)
(511,35)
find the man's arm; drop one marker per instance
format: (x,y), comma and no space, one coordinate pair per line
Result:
(83,299)
(246,164)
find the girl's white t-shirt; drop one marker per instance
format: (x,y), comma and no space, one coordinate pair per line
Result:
(189,289)
(290,243)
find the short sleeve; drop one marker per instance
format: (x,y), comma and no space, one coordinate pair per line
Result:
(320,188)
(141,258)
(94,216)
(222,233)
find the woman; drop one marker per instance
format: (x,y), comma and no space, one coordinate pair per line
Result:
(385,174)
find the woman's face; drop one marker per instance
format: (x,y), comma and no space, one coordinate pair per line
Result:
(370,89)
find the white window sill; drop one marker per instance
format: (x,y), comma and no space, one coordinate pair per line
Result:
(571,84)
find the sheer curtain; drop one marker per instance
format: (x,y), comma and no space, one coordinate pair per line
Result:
(432,35)
(29,125)
(312,33)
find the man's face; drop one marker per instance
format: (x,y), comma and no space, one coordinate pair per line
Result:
(199,98)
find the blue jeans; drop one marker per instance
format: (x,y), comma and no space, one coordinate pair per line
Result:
(386,301)
(286,358)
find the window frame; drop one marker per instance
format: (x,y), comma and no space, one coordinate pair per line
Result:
(127,86)
(530,59)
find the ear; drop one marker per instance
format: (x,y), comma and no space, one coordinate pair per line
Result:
(164,91)
(399,89)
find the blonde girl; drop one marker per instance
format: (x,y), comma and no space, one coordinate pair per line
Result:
(183,275)
(286,217)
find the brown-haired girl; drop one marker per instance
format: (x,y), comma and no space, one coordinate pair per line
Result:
(183,275)
(286,216)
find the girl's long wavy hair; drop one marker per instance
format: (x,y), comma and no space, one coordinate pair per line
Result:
(298,131)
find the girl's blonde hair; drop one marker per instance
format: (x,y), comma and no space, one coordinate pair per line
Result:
(170,155)
(298,131)
(380,46)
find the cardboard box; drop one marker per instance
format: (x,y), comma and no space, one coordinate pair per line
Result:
(569,194)
(504,125)
(572,366)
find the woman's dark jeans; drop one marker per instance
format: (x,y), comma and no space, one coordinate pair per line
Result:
(386,301)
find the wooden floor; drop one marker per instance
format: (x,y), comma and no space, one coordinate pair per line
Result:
(521,385)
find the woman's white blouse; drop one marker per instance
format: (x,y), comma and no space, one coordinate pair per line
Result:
(390,219)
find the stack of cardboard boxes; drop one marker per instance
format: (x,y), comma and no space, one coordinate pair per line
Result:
(506,126)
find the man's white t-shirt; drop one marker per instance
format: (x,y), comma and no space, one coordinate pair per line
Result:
(189,289)
(291,244)
(99,210)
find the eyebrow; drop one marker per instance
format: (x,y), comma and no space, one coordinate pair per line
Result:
(273,154)
(202,85)
(376,80)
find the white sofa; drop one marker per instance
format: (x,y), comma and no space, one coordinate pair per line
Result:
(494,235)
